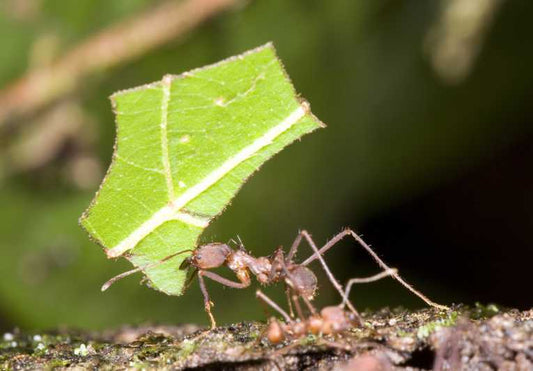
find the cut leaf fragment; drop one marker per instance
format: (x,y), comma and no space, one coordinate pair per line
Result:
(184,147)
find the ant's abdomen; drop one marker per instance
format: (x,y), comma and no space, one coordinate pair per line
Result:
(304,280)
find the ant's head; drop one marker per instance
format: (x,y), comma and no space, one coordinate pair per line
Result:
(209,256)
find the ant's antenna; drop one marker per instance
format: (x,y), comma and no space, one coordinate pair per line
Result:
(106,285)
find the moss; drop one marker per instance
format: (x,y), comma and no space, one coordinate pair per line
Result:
(187,348)
(56,363)
(427,329)
(481,311)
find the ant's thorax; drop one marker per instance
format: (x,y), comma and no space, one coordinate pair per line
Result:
(240,262)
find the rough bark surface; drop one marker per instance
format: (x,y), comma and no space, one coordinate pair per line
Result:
(481,338)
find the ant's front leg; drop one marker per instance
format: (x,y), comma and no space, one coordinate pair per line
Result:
(245,282)
(243,276)
(207,302)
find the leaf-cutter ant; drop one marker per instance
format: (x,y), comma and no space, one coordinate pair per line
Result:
(299,279)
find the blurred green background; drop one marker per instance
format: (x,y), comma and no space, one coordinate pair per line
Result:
(427,152)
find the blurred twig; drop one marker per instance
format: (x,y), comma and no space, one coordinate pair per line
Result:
(40,142)
(118,43)
(455,40)
(59,142)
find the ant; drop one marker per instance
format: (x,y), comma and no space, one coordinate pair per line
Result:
(299,280)
(330,320)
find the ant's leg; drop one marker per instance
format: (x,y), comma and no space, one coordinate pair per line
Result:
(288,295)
(373,278)
(215,277)
(384,266)
(265,299)
(316,254)
(298,307)
(326,247)
(381,263)
(294,299)
(207,302)
(309,305)
(277,334)
(294,246)
(330,275)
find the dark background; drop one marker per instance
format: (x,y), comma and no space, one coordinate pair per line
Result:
(427,153)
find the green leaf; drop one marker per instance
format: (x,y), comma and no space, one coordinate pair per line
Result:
(184,147)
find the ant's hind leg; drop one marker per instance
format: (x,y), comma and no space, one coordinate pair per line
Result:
(294,246)
(317,253)
(377,259)
(373,278)
(207,302)
(326,247)
(394,273)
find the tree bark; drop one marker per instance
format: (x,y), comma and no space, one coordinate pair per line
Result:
(481,338)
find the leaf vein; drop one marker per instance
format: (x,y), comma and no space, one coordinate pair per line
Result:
(172,210)
(167,81)
(131,163)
